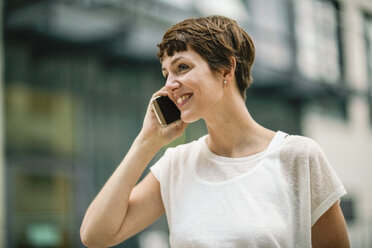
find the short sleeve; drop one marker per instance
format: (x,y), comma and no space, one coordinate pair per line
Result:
(161,168)
(326,187)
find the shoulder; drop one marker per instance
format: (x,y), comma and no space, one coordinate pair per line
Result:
(301,142)
(175,159)
(301,145)
(303,152)
(185,149)
(302,157)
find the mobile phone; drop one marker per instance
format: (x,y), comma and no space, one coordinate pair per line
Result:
(165,110)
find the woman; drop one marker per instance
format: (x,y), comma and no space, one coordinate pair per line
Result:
(241,185)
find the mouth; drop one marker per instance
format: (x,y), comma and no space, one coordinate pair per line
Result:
(182,99)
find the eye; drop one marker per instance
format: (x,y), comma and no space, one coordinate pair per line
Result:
(182,67)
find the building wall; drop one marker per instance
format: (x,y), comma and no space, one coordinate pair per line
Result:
(348,143)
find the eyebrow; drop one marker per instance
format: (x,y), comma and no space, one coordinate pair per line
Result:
(173,62)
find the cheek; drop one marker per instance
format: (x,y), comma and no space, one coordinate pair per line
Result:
(204,85)
(212,91)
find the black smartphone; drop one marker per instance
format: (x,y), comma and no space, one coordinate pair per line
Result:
(165,110)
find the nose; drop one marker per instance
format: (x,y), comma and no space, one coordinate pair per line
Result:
(172,84)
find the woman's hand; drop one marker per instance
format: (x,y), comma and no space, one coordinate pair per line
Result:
(154,132)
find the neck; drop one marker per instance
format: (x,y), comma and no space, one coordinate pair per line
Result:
(234,133)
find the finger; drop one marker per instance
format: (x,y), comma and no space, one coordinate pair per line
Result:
(184,125)
(161,92)
(179,124)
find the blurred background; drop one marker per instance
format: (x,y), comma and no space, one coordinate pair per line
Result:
(76,77)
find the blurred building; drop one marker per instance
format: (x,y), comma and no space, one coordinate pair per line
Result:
(78,76)
(2,159)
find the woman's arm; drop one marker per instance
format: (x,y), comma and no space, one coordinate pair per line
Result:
(330,229)
(122,209)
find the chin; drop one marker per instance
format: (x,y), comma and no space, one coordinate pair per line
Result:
(189,118)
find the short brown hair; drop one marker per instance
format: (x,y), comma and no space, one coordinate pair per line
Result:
(215,39)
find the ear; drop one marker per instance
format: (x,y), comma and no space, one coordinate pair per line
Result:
(229,73)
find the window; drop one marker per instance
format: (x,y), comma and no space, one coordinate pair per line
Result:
(271,33)
(40,204)
(317,34)
(368,40)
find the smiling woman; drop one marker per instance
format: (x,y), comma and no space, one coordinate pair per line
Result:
(241,185)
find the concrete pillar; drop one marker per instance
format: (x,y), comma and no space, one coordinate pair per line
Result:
(2,159)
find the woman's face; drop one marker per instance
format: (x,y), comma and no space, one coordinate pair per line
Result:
(191,84)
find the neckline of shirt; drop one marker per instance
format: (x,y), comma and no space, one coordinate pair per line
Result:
(276,141)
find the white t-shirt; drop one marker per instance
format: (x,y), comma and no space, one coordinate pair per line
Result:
(270,199)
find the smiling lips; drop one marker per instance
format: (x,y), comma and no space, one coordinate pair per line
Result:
(183,99)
